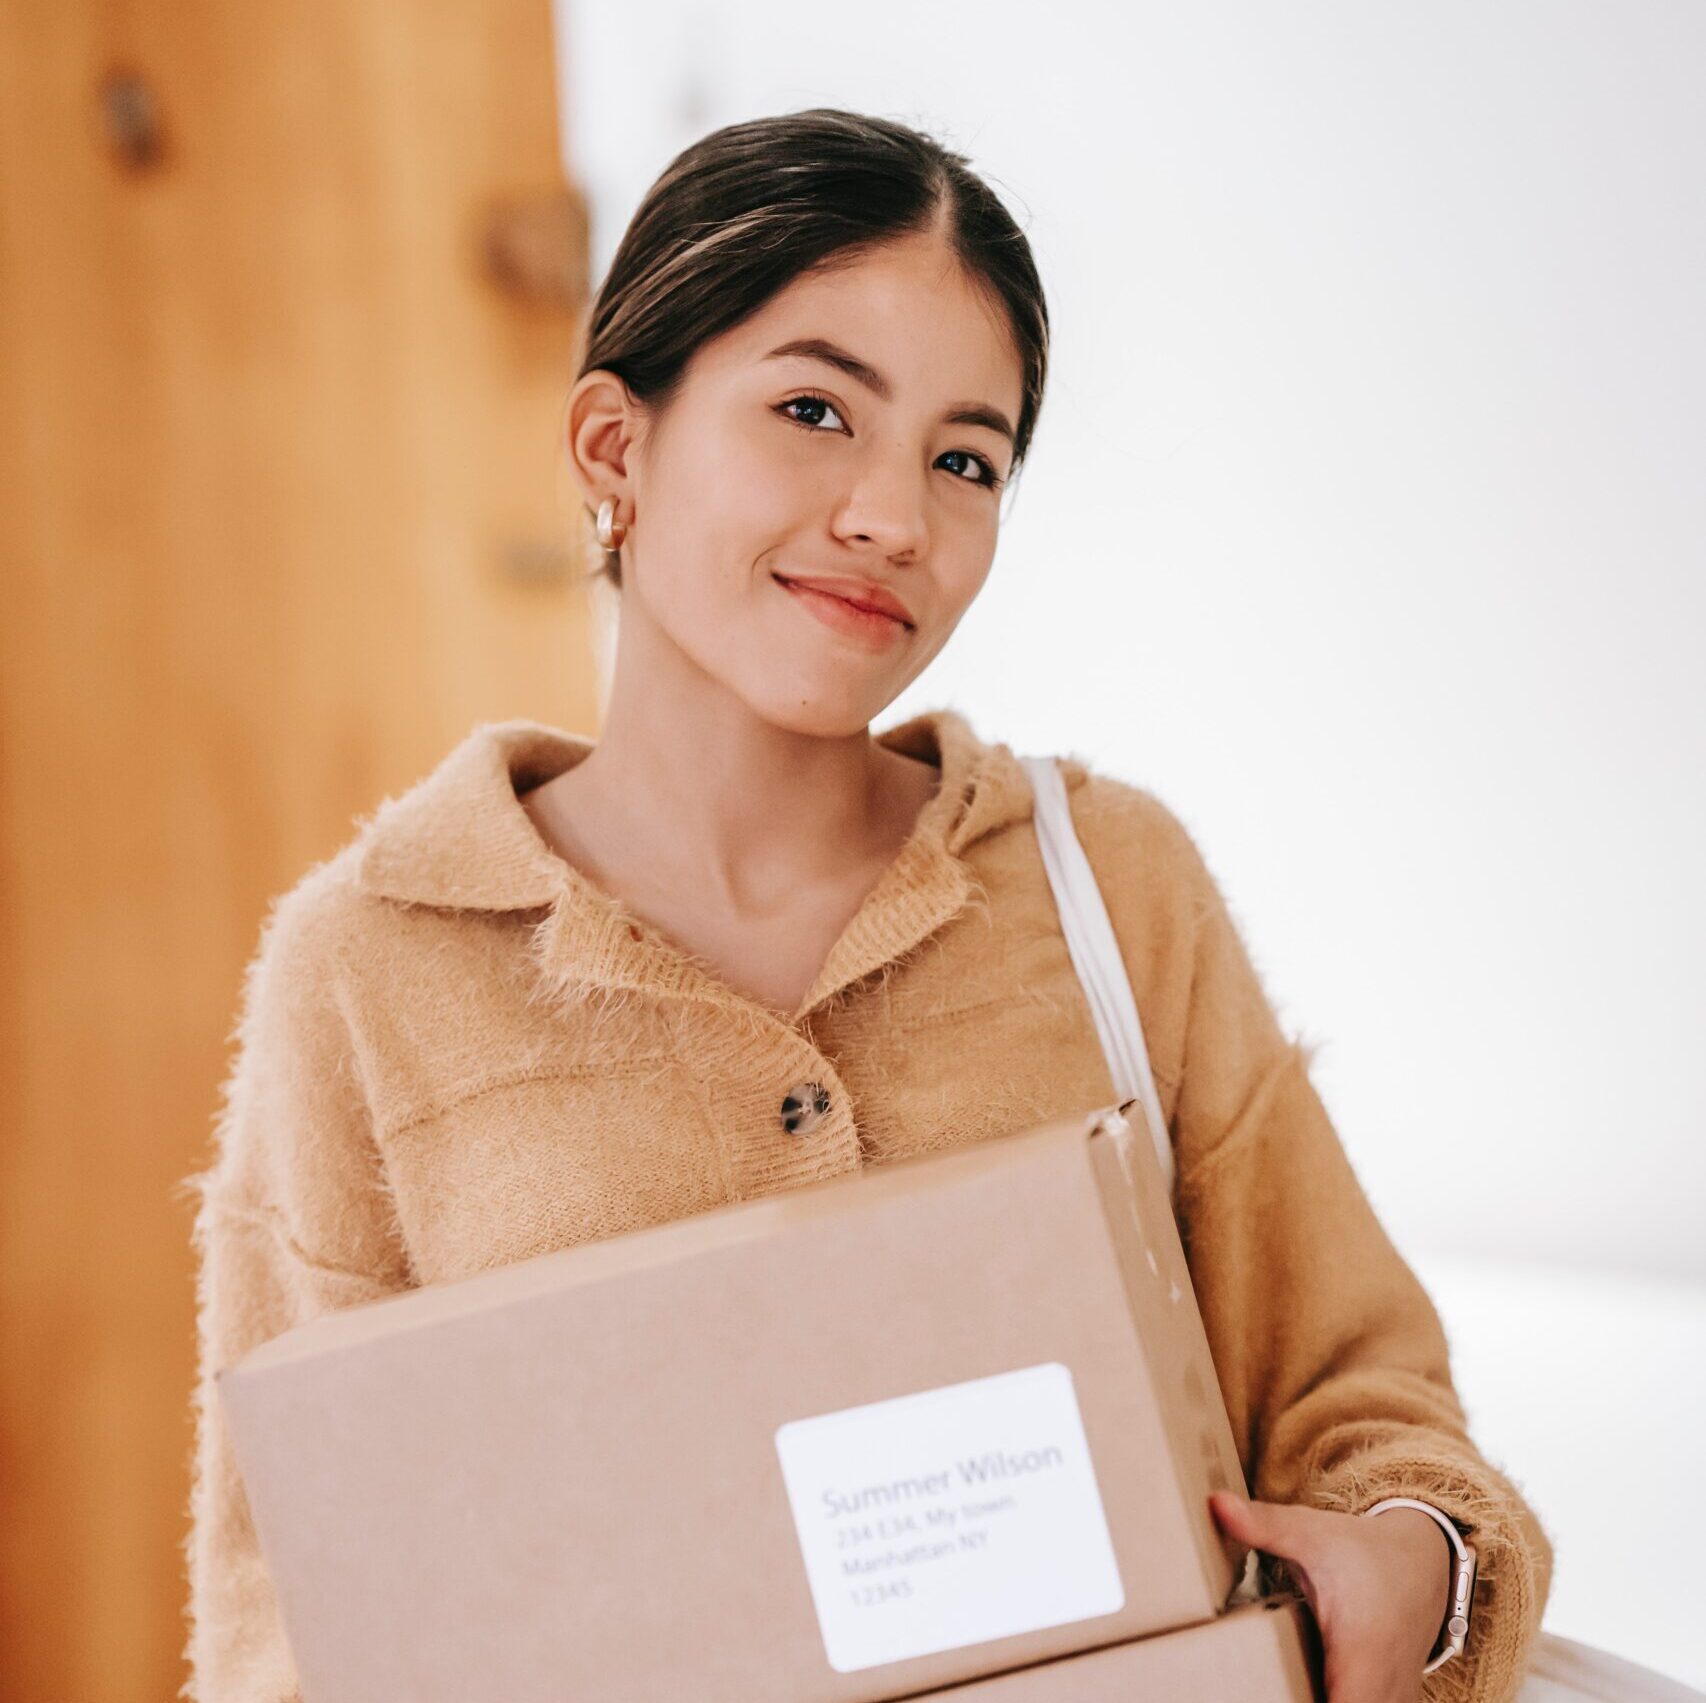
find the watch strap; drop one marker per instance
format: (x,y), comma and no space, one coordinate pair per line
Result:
(1459,1600)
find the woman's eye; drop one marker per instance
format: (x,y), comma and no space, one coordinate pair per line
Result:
(986,470)
(818,402)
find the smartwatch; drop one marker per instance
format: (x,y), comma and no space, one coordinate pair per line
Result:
(1456,1628)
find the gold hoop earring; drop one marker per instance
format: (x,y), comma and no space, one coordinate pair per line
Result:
(611,531)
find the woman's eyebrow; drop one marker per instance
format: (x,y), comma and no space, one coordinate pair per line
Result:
(821,349)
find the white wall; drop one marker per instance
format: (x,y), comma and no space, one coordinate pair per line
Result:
(1374,463)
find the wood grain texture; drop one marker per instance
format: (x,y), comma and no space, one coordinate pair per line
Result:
(282,513)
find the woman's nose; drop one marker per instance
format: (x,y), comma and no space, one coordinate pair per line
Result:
(886,507)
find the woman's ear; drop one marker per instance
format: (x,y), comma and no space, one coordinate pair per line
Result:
(602,428)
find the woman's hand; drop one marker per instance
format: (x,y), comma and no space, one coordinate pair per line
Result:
(1379,1588)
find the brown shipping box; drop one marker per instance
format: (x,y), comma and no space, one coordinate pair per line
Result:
(850,1442)
(1261,1652)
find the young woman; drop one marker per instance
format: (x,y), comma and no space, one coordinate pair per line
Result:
(560,990)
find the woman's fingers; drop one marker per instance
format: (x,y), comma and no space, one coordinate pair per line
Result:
(1286,1529)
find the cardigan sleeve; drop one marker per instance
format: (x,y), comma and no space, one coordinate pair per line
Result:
(1330,1354)
(292,1219)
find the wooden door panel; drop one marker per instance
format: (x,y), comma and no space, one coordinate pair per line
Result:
(282,514)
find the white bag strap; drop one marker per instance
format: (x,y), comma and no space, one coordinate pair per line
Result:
(1095,951)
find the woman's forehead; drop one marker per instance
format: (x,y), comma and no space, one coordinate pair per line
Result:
(905,323)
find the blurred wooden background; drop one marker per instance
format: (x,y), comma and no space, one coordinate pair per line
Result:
(288,299)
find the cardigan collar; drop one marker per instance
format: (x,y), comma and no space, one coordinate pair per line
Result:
(461,839)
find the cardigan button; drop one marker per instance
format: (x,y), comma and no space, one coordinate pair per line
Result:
(804,1107)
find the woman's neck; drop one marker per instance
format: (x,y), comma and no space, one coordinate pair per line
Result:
(749,818)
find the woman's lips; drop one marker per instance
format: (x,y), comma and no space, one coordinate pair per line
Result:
(874,630)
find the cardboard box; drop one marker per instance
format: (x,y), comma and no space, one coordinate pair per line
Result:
(850,1442)
(1261,1652)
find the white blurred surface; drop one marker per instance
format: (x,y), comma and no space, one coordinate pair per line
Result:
(1366,524)
(1589,1391)
(1563,1670)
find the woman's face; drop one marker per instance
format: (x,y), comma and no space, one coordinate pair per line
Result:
(849,464)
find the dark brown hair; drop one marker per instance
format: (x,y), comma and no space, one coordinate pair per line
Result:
(744,211)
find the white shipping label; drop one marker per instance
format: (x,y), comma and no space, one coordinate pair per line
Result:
(949,1517)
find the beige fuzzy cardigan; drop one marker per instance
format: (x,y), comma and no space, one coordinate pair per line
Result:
(455,1050)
